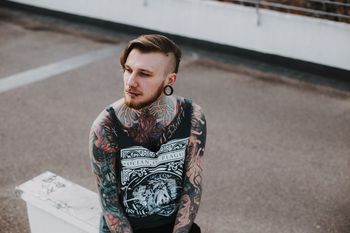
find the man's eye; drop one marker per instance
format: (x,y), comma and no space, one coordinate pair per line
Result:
(145,74)
(127,70)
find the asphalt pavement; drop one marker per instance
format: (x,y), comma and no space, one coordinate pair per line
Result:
(278,153)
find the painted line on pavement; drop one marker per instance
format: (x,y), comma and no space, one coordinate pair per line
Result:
(52,70)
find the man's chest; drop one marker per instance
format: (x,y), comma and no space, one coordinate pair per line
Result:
(151,181)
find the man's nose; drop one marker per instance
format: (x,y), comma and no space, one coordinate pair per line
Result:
(132,80)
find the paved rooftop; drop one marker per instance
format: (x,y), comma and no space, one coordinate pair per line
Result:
(278,152)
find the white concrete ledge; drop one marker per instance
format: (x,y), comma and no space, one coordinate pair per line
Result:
(57,205)
(304,38)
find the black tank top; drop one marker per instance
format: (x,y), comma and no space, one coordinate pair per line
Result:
(151,179)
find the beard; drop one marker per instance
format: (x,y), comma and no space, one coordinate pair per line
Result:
(138,105)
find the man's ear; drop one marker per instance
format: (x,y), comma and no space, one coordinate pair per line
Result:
(171,79)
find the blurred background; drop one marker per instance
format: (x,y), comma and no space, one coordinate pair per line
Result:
(273,78)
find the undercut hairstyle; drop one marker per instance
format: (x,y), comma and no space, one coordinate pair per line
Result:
(152,43)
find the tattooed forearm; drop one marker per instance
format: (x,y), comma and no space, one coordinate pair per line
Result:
(117,224)
(190,200)
(192,190)
(113,214)
(102,155)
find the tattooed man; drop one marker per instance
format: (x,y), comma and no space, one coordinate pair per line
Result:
(147,148)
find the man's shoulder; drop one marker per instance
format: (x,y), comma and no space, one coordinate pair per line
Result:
(182,99)
(104,118)
(197,110)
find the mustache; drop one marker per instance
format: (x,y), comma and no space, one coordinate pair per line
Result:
(134,91)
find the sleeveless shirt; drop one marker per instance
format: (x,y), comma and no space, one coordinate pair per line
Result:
(150,180)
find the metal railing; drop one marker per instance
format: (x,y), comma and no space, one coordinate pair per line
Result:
(337,10)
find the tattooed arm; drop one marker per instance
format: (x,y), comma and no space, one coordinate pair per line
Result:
(192,189)
(102,154)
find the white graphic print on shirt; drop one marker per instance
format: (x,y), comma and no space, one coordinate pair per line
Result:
(152,181)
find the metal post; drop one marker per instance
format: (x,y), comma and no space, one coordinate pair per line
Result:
(257,7)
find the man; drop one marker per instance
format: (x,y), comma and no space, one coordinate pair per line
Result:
(146,149)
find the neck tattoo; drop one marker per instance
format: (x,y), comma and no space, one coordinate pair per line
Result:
(146,125)
(160,113)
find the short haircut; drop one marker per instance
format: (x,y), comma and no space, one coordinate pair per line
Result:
(152,43)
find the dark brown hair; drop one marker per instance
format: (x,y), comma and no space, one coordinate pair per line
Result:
(152,43)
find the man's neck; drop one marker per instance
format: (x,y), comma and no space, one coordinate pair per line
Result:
(162,111)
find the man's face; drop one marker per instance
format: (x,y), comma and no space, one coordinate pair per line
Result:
(145,76)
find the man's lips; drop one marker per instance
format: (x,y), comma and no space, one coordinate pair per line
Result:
(132,93)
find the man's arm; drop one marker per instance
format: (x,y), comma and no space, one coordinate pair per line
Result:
(102,154)
(192,190)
